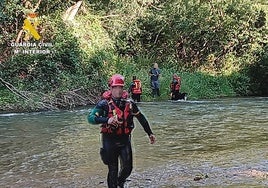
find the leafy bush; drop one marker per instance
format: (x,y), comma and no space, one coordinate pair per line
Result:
(240,83)
(217,47)
(258,73)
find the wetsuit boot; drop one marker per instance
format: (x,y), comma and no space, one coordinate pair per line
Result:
(121,184)
(112,176)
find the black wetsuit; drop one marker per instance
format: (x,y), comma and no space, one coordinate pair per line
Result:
(114,146)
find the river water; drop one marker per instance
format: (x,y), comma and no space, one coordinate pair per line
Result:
(208,143)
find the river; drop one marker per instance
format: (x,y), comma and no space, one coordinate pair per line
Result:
(204,143)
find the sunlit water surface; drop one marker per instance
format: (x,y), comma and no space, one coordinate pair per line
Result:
(209,143)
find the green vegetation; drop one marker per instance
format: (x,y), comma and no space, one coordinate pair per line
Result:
(219,48)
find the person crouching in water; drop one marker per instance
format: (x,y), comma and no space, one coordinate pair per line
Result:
(115,112)
(135,89)
(175,86)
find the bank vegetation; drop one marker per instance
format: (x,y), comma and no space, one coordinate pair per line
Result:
(219,48)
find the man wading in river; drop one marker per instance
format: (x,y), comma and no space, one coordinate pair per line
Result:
(115,112)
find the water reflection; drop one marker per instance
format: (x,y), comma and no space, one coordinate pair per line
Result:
(223,139)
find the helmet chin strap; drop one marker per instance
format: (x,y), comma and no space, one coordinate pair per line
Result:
(119,102)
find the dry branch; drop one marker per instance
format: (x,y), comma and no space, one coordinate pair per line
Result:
(13,89)
(72,11)
(42,101)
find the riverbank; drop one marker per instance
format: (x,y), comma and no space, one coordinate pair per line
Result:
(37,101)
(17,98)
(175,175)
(211,60)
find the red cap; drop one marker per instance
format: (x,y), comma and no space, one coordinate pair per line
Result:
(116,80)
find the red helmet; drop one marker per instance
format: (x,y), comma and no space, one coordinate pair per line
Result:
(116,80)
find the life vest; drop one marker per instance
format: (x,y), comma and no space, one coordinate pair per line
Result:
(124,116)
(175,85)
(137,87)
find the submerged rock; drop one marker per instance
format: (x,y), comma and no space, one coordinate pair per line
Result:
(200,177)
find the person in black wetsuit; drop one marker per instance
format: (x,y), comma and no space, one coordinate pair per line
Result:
(115,112)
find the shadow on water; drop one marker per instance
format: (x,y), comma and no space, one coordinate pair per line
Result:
(208,143)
